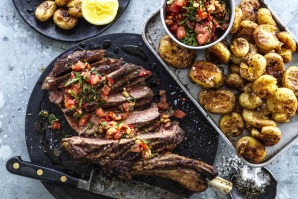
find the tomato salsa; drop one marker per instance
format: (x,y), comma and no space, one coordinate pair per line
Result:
(197,22)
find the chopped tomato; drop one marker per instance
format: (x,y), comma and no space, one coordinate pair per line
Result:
(110,81)
(104,97)
(99,112)
(106,90)
(56,125)
(179,114)
(84,105)
(78,66)
(202,38)
(173,28)
(144,73)
(117,135)
(175,7)
(93,79)
(76,89)
(69,102)
(145,146)
(180,32)
(84,119)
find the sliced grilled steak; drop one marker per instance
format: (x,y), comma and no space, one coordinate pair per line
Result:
(64,63)
(103,151)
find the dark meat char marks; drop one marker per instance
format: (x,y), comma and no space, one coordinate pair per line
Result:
(103,151)
(51,83)
(64,63)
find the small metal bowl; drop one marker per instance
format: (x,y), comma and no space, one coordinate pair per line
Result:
(163,12)
(270,192)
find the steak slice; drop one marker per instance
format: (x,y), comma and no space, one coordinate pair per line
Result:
(103,151)
(64,63)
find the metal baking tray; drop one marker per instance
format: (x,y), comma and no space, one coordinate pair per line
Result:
(152,33)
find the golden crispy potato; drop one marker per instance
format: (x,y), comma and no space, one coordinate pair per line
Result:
(45,10)
(264,52)
(255,3)
(248,12)
(287,39)
(286,54)
(250,149)
(63,20)
(231,124)
(234,80)
(256,119)
(247,88)
(235,68)
(75,8)
(264,37)
(290,79)
(250,101)
(206,74)
(252,48)
(264,110)
(175,55)
(61,2)
(254,68)
(264,17)
(265,86)
(274,65)
(217,101)
(269,135)
(282,104)
(237,60)
(237,20)
(240,47)
(246,29)
(218,54)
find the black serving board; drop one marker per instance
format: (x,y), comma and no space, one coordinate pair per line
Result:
(44,147)
(82,31)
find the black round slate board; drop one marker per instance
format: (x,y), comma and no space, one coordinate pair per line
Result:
(44,148)
(82,31)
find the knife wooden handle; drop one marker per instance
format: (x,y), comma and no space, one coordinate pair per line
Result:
(17,166)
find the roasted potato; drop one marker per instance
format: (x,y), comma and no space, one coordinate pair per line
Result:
(274,65)
(250,149)
(264,17)
(282,104)
(237,20)
(265,86)
(287,40)
(256,118)
(206,74)
(217,101)
(61,2)
(75,8)
(63,20)
(218,54)
(234,80)
(264,110)
(255,3)
(246,29)
(240,47)
(232,124)
(290,79)
(45,10)
(264,37)
(254,68)
(269,135)
(247,88)
(235,68)
(286,54)
(250,101)
(252,48)
(175,55)
(248,12)
(237,60)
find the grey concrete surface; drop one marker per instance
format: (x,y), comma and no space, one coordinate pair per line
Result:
(23,53)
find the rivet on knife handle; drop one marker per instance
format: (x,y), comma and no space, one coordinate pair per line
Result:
(17,166)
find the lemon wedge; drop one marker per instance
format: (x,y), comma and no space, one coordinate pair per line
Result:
(100,12)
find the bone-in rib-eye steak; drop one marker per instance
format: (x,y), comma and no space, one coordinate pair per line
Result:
(107,102)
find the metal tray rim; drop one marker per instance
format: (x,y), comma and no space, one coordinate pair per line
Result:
(270,159)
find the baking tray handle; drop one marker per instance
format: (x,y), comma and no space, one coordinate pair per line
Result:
(17,166)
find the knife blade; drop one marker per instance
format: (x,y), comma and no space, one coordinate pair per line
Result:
(97,182)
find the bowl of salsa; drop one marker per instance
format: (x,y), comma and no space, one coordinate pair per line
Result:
(197,24)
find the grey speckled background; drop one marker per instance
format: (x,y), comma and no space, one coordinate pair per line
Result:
(23,52)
